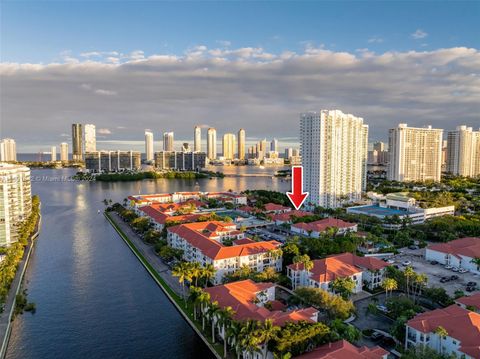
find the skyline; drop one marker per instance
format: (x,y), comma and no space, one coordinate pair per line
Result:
(365,59)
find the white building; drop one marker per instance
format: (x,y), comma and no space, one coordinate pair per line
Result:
(463,152)
(168,141)
(212,144)
(53,154)
(415,154)
(459,253)
(15,200)
(334,155)
(149,146)
(462,326)
(315,229)
(90,138)
(8,150)
(228,145)
(241,144)
(368,271)
(64,152)
(197,139)
(202,242)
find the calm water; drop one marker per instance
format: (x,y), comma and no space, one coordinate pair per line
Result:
(93,297)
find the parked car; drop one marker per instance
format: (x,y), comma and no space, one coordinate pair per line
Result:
(470,289)
(462,270)
(454,277)
(406,263)
(377,336)
(471,284)
(390,261)
(433,263)
(448,266)
(382,308)
(444,279)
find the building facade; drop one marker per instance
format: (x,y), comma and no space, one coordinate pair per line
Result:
(212,144)
(64,152)
(463,152)
(228,146)
(415,154)
(168,141)
(149,145)
(8,150)
(183,161)
(15,201)
(197,139)
(460,253)
(77,142)
(241,144)
(112,161)
(334,156)
(90,138)
(53,154)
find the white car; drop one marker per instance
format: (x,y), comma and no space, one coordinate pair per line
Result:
(406,263)
(448,266)
(462,270)
(455,269)
(390,261)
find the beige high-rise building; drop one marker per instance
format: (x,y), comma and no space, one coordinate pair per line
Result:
(228,146)
(90,138)
(53,154)
(64,152)
(334,155)
(8,150)
(168,141)
(212,144)
(15,201)
(415,154)
(149,145)
(463,152)
(241,144)
(77,142)
(197,139)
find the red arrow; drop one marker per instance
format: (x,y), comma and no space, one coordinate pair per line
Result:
(297,196)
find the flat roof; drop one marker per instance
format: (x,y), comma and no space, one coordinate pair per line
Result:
(375,210)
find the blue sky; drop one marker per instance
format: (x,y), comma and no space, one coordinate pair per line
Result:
(41,31)
(168,66)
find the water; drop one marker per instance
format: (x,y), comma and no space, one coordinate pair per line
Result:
(94,299)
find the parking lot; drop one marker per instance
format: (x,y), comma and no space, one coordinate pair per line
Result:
(436,272)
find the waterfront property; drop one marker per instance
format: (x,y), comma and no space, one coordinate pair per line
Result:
(460,253)
(15,201)
(367,271)
(184,161)
(205,243)
(452,330)
(344,350)
(315,229)
(112,161)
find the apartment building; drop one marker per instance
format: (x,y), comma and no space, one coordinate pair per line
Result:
(463,152)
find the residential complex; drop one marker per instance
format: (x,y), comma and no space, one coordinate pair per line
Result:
(316,228)
(77,142)
(90,138)
(415,154)
(344,350)
(149,146)
(53,153)
(241,144)
(168,141)
(228,146)
(334,156)
(184,161)
(212,144)
(203,242)
(112,161)
(8,150)
(367,271)
(15,200)
(197,139)
(463,152)
(64,152)
(461,325)
(460,253)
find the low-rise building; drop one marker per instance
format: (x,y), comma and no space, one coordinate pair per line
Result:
(344,350)
(459,253)
(203,242)
(235,198)
(288,216)
(367,271)
(159,218)
(461,325)
(112,161)
(471,302)
(315,229)
(275,208)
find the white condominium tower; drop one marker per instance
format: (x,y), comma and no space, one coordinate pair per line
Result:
(228,146)
(463,152)
(90,138)
(241,144)
(77,142)
(168,141)
(415,154)
(197,139)
(64,152)
(212,144)
(149,145)
(334,155)
(8,150)
(53,154)
(15,201)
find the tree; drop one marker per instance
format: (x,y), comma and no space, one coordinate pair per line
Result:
(249,341)
(334,305)
(212,312)
(389,284)
(196,271)
(408,274)
(233,335)
(208,273)
(203,299)
(182,271)
(267,332)
(225,316)
(193,297)
(344,286)
(442,334)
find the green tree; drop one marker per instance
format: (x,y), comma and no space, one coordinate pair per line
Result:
(183,272)
(344,286)
(442,334)
(266,332)
(389,284)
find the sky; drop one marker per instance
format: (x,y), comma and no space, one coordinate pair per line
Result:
(127,66)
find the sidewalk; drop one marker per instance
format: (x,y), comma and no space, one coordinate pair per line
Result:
(148,252)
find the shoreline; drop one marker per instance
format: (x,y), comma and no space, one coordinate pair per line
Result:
(18,281)
(162,283)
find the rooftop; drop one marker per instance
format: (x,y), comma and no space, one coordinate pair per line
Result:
(461,324)
(470,301)
(344,350)
(285,217)
(323,224)
(272,207)
(468,247)
(376,210)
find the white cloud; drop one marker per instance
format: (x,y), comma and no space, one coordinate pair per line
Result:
(105,92)
(375,40)
(419,34)
(104,131)
(224,43)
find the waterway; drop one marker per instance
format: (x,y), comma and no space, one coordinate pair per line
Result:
(94,299)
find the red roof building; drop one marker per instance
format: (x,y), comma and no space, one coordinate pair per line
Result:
(314,229)
(276,208)
(457,253)
(344,350)
(288,216)
(472,301)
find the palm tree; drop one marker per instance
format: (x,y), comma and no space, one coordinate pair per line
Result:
(233,334)
(212,312)
(442,334)
(182,271)
(193,297)
(196,271)
(248,337)
(389,284)
(305,261)
(203,300)
(225,316)
(408,273)
(267,332)
(208,273)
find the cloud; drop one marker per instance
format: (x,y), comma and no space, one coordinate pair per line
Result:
(104,131)
(419,34)
(247,88)
(224,43)
(375,40)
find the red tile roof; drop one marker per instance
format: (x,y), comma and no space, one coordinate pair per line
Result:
(248,209)
(272,207)
(461,324)
(243,241)
(344,350)
(241,296)
(154,214)
(286,217)
(470,301)
(340,266)
(322,225)
(468,247)
(200,235)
